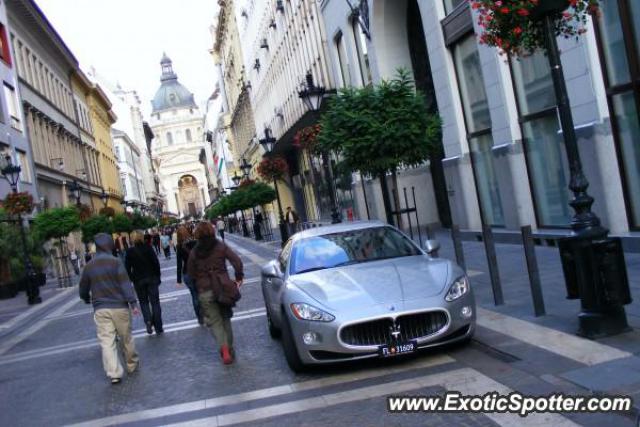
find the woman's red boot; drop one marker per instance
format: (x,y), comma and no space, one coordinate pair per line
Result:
(226,355)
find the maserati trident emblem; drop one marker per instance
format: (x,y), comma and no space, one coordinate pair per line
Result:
(395,331)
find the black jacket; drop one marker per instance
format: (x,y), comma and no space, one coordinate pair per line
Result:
(182,256)
(141,262)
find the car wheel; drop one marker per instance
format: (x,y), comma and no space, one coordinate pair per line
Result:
(274,332)
(289,346)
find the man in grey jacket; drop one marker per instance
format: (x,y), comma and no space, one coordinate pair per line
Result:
(105,283)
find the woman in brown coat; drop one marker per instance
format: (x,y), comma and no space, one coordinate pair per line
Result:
(207,266)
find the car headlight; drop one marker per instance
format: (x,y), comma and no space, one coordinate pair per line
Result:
(459,288)
(304,311)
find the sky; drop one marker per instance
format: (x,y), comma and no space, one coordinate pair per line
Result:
(124,40)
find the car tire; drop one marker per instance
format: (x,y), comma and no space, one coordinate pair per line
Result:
(274,332)
(289,347)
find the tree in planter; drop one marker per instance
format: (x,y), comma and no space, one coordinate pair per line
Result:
(95,225)
(377,129)
(122,223)
(58,223)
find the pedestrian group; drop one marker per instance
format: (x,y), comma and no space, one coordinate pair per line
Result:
(201,258)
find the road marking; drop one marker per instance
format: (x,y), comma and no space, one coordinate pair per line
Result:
(467,381)
(256,259)
(567,345)
(169,268)
(92,342)
(34,309)
(215,402)
(16,339)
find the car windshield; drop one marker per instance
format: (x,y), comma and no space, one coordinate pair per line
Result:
(349,247)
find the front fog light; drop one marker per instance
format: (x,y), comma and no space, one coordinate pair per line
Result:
(311,338)
(466,312)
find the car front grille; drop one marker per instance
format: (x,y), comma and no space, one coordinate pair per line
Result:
(407,327)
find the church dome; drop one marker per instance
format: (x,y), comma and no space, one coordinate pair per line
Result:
(171,93)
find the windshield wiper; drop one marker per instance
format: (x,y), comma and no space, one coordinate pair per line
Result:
(342,264)
(308,270)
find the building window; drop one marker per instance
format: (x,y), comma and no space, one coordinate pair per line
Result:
(363,54)
(543,142)
(25,173)
(169,138)
(450,5)
(343,63)
(619,40)
(188,135)
(478,122)
(12,107)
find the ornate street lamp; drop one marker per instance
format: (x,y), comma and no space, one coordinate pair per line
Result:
(593,263)
(104,197)
(12,173)
(312,97)
(236,179)
(246,167)
(311,94)
(76,191)
(268,143)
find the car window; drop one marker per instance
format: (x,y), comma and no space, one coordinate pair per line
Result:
(283,258)
(349,247)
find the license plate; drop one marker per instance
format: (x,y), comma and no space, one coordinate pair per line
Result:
(397,349)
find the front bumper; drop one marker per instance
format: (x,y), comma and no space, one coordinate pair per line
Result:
(330,349)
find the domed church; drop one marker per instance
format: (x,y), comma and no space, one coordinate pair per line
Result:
(178,128)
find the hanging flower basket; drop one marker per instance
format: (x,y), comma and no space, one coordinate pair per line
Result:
(306,138)
(108,211)
(515,27)
(272,168)
(18,203)
(84,212)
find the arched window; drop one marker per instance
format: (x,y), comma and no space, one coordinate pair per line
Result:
(188,135)
(169,138)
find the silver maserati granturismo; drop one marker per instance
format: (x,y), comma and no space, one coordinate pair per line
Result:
(363,290)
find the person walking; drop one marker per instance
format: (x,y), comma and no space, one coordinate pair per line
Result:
(165,240)
(143,268)
(156,241)
(292,219)
(217,293)
(183,249)
(220,226)
(104,283)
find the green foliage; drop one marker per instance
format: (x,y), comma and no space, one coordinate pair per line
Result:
(94,225)
(142,222)
(57,222)
(11,248)
(122,223)
(377,129)
(246,197)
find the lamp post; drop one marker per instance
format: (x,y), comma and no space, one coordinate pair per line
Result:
(312,97)
(268,143)
(593,263)
(104,196)
(12,173)
(245,166)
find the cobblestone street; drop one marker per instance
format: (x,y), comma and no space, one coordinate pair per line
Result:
(51,373)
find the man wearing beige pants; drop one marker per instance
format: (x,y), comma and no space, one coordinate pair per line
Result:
(105,283)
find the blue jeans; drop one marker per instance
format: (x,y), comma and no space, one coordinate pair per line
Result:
(191,284)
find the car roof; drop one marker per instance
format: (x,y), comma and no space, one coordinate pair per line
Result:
(337,228)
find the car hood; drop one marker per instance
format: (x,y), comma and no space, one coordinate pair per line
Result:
(378,282)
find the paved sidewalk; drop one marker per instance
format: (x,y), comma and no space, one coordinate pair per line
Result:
(13,310)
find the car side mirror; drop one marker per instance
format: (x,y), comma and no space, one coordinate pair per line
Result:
(432,247)
(270,269)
